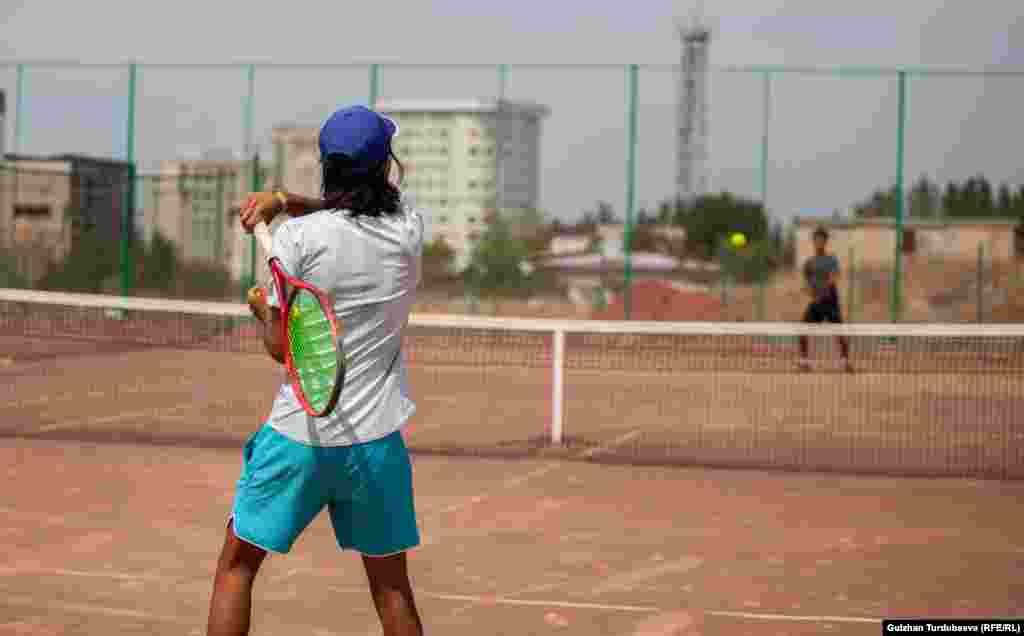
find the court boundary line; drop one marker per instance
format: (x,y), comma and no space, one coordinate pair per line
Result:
(88,608)
(647,609)
(472,599)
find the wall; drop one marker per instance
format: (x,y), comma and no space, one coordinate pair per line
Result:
(33,241)
(874,245)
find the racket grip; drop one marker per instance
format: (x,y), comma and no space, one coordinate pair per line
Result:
(262,233)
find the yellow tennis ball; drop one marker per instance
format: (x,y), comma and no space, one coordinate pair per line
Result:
(738,239)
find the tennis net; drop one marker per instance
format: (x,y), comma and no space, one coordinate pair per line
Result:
(924,399)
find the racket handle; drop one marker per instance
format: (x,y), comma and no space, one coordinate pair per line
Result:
(262,233)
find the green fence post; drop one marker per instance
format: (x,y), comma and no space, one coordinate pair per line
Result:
(248,116)
(759,299)
(980,274)
(851,299)
(19,110)
(257,186)
(220,215)
(502,81)
(896,296)
(631,141)
(765,124)
(374,86)
(128,203)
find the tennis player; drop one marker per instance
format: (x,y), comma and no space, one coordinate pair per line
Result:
(363,246)
(821,272)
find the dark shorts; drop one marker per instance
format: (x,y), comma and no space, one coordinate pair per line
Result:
(826,310)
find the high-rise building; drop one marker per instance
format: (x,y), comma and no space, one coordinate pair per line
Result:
(692,179)
(464,161)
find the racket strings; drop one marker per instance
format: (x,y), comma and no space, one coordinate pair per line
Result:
(315,363)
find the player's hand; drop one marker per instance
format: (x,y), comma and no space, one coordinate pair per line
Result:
(257,298)
(258,206)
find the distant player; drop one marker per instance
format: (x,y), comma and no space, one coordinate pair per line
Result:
(821,273)
(361,244)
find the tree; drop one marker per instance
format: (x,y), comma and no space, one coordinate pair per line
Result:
(666,211)
(951,200)
(9,274)
(712,218)
(90,265)
(1004,202)
(438,259)
(498,264)
(924,199)
(881,204)
(159,265)
(605,213)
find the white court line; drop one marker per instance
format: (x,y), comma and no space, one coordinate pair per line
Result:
(88,608)
(118,576)
(465,598)
(505,484)
(532,603)
(89,421)
(481,600)
(523,478)
(790,617)
(615,443)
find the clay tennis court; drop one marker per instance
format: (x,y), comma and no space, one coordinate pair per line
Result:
(121,461)
(119,538)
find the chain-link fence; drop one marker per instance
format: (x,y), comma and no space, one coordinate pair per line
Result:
(798,141)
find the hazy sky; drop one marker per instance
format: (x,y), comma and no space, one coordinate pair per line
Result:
(830,141)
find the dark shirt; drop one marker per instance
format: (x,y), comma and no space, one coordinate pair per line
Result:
(817,270)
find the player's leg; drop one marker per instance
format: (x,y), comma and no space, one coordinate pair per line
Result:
(231,604)
(278,495)
(811,315)
(835,315)
(392,595)
(373,512)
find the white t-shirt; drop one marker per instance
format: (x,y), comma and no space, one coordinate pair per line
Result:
(371,267)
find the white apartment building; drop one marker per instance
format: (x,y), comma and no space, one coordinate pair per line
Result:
(463,160)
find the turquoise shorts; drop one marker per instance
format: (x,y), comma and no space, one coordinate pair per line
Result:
(366,487)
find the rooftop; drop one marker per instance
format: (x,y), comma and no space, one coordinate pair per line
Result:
(477,105)
(907,222)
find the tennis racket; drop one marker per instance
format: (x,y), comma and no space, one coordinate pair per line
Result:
(313,356)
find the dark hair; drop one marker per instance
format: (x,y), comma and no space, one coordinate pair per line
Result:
(370,194)
(821,232)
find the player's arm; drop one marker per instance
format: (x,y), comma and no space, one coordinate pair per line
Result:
(808,285)
(270,317)
(265,206)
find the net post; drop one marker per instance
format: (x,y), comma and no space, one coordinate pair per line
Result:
(557,386)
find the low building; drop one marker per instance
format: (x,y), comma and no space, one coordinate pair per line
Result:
(872,242)
(189,203)
(43,200)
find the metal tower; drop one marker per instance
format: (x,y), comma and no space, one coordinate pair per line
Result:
(692,153)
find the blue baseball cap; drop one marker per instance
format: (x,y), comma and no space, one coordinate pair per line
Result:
(360,134)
